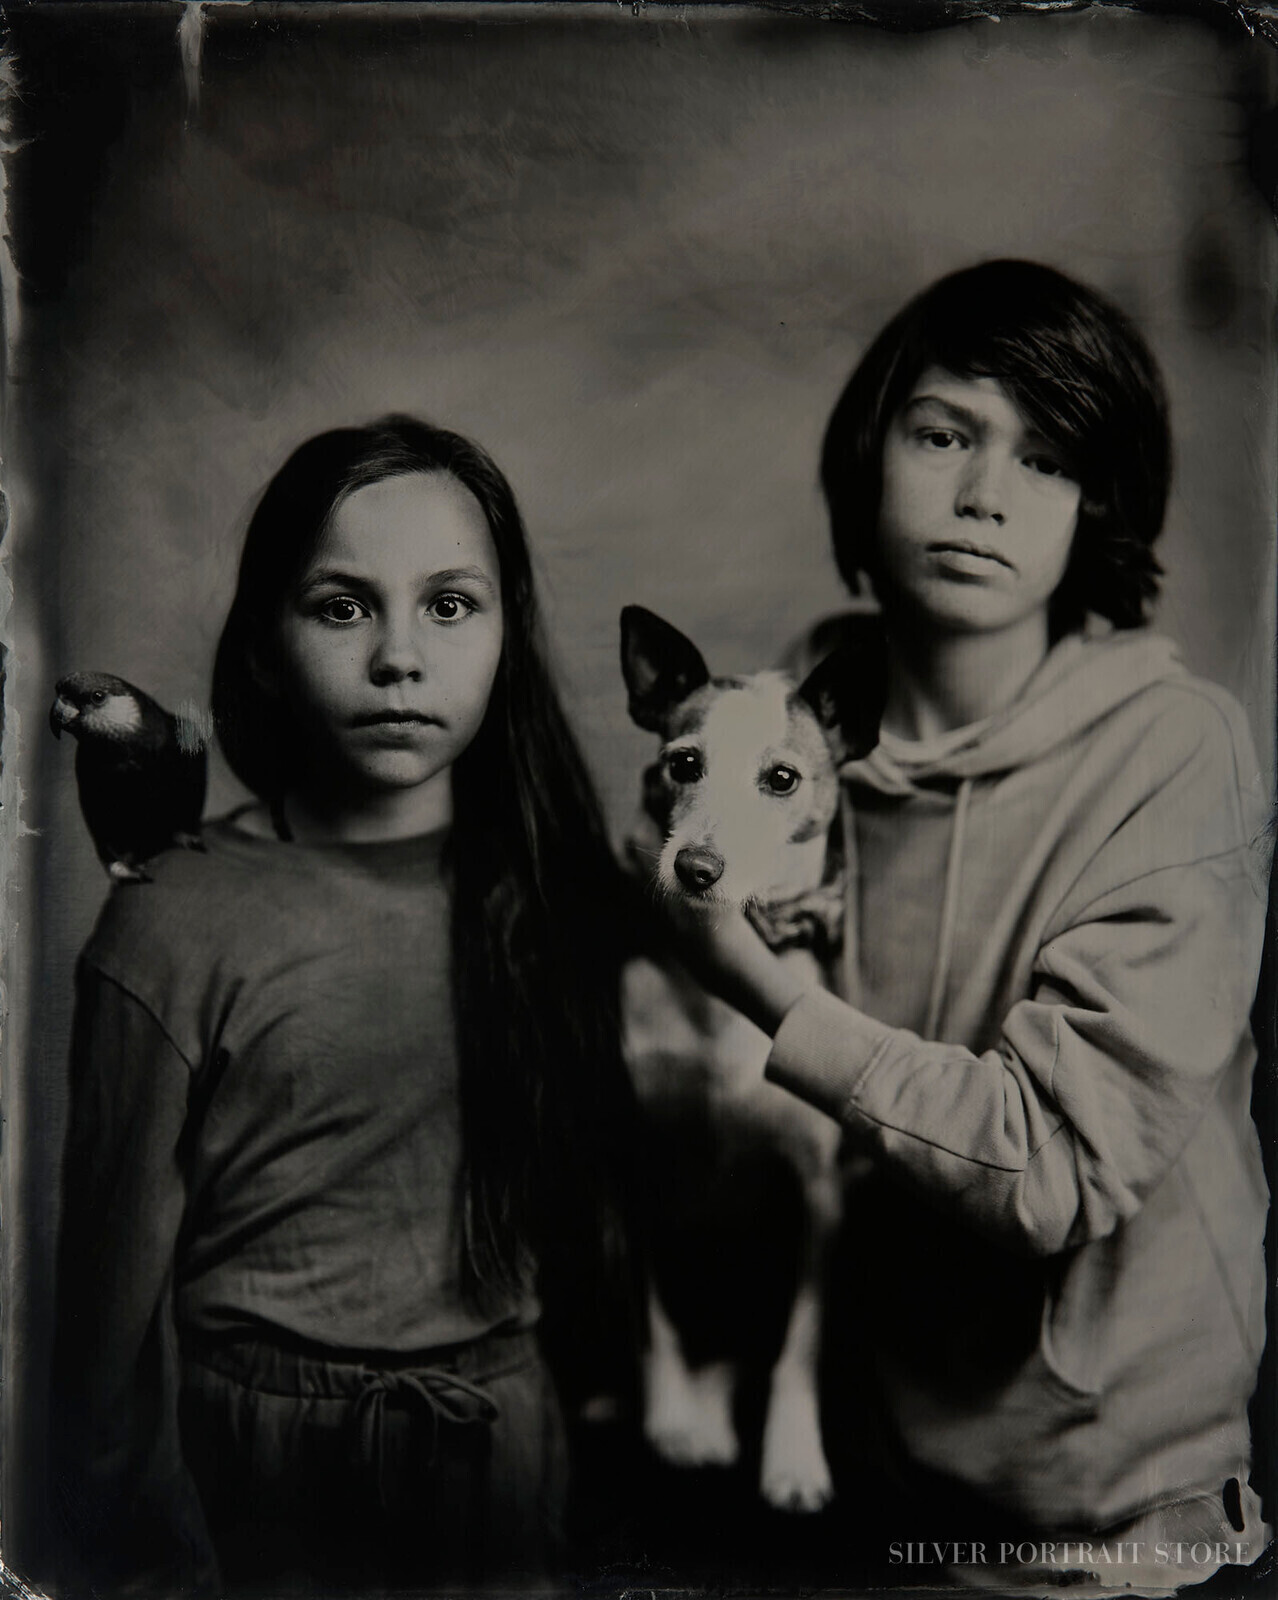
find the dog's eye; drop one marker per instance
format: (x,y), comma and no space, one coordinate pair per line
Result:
(684,766)
(781,779)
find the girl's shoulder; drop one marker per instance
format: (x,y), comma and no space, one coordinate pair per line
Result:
(214,917)
(195,909)
(222,942)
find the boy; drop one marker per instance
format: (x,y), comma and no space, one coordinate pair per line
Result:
(1040,1031)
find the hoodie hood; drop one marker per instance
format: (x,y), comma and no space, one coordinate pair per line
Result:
(1084,678)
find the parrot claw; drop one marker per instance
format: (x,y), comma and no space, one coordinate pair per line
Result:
(122,872)
(189,841)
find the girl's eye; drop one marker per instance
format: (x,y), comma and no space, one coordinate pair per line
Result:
(781,779)
(939,438)
(1046,466)
(449,607)
(684,766)
(342,609)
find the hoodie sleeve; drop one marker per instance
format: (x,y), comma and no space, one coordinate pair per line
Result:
(131,1515)
(1138,1002)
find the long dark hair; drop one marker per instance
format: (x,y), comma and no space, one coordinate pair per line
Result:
(1076,368)
(535,892)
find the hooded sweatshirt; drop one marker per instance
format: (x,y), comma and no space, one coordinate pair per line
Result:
(1040,1035)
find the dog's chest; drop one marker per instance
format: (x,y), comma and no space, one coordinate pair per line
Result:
(684,1046)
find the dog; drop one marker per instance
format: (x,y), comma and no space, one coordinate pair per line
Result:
(737,812)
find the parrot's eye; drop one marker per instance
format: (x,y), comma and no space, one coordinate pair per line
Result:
(781,779)
(684,766)
(98,696)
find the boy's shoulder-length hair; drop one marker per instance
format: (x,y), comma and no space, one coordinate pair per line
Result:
(1077,370)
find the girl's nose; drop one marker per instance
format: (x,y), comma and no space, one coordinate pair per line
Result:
(397,656)
(981,490)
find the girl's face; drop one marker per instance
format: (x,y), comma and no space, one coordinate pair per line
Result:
(390,640)
(978,511)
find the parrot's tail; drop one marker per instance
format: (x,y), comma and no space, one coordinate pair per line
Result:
(194,727)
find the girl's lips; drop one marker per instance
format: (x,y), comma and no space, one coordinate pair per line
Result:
(393,719)
(398,728)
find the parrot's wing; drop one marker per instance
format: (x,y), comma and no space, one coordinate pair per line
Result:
(180,782)
(110,794)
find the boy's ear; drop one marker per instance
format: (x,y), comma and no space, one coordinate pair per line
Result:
(848,689)
(661,667)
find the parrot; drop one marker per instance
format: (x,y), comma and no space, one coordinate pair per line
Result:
(140,771)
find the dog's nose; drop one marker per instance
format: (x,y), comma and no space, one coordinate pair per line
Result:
(698,869)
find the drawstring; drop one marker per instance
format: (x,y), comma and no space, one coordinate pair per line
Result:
(444,1396)
(949,911)
(851,962)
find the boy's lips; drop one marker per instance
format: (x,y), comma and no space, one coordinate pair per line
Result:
(966,548)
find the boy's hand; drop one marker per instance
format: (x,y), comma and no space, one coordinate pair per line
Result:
(723,951)
(812,921)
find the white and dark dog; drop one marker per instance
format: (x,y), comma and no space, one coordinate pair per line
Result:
(738,809)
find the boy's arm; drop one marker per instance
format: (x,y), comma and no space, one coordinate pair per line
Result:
(1057,1135)
(1138,1001)
(130,1512)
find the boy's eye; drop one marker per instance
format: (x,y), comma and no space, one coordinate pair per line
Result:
(939,438)
(1047,466)
(781,779)
(449,607)
(342,609)
(684,766)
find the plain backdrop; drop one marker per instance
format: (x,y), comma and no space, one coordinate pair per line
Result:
(636,256)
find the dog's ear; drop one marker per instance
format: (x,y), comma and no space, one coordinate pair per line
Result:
(661,667)
(848,688)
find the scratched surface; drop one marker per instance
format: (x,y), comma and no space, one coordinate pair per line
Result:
(636,256)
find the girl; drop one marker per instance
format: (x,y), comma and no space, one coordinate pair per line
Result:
(1039,1034)
(347,1093)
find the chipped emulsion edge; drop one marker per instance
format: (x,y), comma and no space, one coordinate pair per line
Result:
(11,826)
(190,37)
(11,1585)
(190,40)
(14,958)
(1255,16)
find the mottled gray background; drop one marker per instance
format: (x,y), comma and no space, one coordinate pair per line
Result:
(636,257)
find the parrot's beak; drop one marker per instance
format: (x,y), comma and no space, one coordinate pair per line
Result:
(62,715)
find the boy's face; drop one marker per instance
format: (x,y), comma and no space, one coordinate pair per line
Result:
(978,511)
